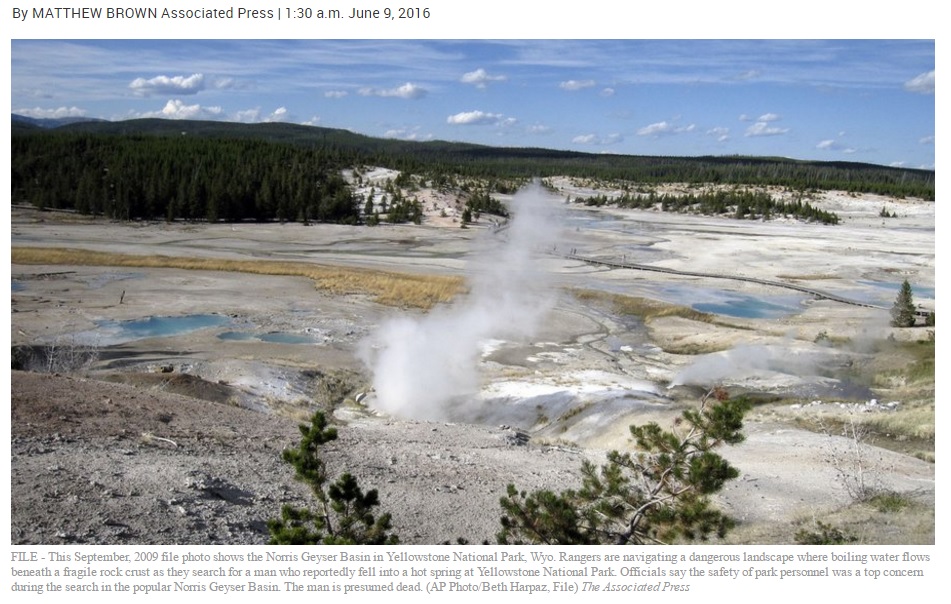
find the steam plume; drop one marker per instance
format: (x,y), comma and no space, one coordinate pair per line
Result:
(424,365)
(751,361)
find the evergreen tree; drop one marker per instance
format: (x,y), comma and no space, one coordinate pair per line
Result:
(344,513)
(659,494)
(903,310)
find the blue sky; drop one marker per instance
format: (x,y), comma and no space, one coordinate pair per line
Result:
(841,100)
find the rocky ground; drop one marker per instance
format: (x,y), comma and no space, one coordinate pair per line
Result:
(96,462)
(119,452)
(103,463)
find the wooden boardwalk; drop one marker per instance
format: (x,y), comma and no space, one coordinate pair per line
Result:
(806,290)
(817,293)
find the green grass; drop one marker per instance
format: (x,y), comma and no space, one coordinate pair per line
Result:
(823,534)
(922,368)
(903,521)
(889,502)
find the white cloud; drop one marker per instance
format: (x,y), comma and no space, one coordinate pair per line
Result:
(573,85)
(594,139)
(538,129)
(253,116)
(175,109)
(923,83)
(58,113)
(406,91)
(752,74)
(607,92)
(313,121)
(722,134)
(926,140)
(664,128)
(764,129)
(278,115)
(834,145)
(478,118)
(335,94)
(159,85)
(766,117)
(407,134)
(480,78)
(248,116)
(656,129)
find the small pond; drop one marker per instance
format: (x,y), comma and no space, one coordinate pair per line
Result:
(745,307)
(273,337)
(116,332)
(733,304)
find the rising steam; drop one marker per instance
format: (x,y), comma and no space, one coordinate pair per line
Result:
(787,364)
(422,366)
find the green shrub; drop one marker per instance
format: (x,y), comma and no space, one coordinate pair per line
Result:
(344,513)
(659,494)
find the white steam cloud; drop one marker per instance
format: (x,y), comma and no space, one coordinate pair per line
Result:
(778,365)
(423,366)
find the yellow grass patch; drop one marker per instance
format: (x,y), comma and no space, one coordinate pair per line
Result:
(644,308)
(390,288)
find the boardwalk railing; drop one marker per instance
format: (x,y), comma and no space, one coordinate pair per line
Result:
(657,269)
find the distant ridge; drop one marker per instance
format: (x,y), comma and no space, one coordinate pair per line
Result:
(301,134)
(52,122)
(484,161)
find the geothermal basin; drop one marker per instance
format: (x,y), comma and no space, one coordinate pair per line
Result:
(541,343)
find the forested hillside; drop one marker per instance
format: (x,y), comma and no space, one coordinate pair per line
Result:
(741,204)
(150,177)
(169,169)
